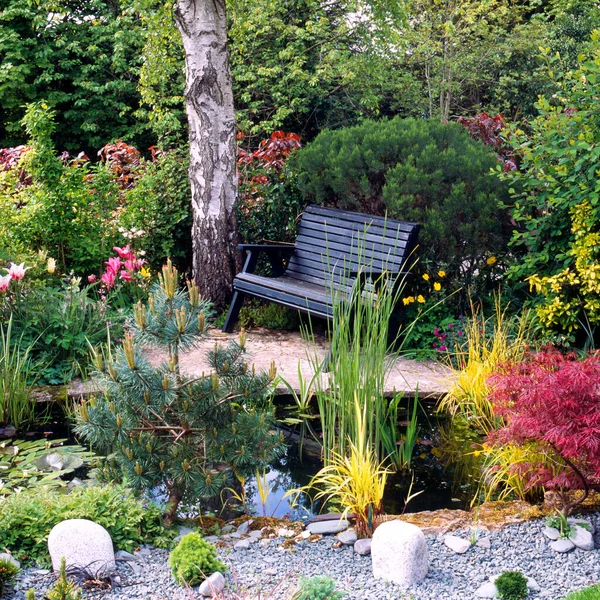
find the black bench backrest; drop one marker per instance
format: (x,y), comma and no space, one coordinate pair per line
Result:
(332,242)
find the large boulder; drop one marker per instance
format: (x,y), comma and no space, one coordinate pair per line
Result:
(84,545)
(399,553)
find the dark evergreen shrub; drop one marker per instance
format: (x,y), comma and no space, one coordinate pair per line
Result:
(416,170)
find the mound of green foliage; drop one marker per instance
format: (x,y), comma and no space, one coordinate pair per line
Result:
(317,588)
(512,585)
(194,559)
(415,170)
(27,518)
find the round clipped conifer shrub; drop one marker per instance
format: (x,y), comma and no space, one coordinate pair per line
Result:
(416,170)
(512,585)
(317,588)
(194,559)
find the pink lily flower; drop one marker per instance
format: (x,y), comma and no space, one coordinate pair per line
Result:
(92,278)
(4,282)
(126,276)
(17,272)
(125,252)
(130,264)
(114,264)
(108,278)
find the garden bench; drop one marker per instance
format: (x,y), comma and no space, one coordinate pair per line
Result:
(335,250)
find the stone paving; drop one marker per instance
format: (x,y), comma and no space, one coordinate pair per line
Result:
(288,348)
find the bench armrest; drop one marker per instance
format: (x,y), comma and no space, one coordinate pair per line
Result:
(271,250)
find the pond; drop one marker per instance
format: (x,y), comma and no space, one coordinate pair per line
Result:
(436,482)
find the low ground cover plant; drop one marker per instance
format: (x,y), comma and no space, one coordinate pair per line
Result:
(27,518)
(591,593)
(194,559)
(317,588)
(512,585)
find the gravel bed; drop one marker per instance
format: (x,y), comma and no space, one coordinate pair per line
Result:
(274,570)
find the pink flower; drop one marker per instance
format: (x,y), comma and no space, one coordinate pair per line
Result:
(126,276)
(92,278)
(130,264)
(442,349)
(125,252)
(4,282)
(114,264)
(139,263)
(17,272)
(108,278)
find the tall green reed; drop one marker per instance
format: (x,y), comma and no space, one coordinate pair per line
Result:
(17,408)
(363,351)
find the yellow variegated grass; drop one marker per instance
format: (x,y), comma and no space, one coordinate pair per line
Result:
(468,396)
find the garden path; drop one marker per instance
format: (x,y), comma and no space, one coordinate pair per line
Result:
(288,348)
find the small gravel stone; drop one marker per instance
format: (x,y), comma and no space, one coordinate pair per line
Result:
(242,545)
(487,590)
(457,544)
(212,585)
(562,546)
(484,542)
(347,537)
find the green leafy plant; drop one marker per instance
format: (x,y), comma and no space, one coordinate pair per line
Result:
(559,521)
(194,559)
(512,585)
(270,316)
(590,593)
(186,434)
(317,588)
(8,571)
(27,518)
(554,203)
(63,589)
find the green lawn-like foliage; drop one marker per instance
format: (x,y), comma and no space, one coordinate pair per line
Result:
(591,593)
(194,559)
(27,518)
(317,588)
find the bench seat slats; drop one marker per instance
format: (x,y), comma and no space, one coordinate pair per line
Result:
(330,247)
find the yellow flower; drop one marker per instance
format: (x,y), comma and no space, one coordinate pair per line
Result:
(145,272)
(442,274)
(51,265)
(492,260)
(426,277)
(437,286)
(408,300)
(420,299)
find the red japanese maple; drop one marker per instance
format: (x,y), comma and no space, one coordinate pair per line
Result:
(553,399)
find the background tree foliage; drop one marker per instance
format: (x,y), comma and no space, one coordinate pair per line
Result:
(83,58)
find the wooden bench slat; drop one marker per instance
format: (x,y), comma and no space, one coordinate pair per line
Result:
(355,217)
(331,246)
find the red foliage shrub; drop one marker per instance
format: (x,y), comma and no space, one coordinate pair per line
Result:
(554,400)
(488,129)
(9,159)
(272,152)
(123,159)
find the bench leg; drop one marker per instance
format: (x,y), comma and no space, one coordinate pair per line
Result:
(234,311)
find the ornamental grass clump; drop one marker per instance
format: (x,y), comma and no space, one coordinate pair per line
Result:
(185,435)
(194,559)
(317,588)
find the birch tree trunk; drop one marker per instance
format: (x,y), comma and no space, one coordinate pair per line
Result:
(211,119)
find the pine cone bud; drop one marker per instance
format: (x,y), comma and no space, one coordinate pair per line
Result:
(138,468)
(128,350)
(272,371)
(242,338)
(193,293)
(201,321)
(83,411)
(139,312)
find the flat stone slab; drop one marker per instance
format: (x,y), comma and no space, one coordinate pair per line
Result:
(328,527)
(288,348)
